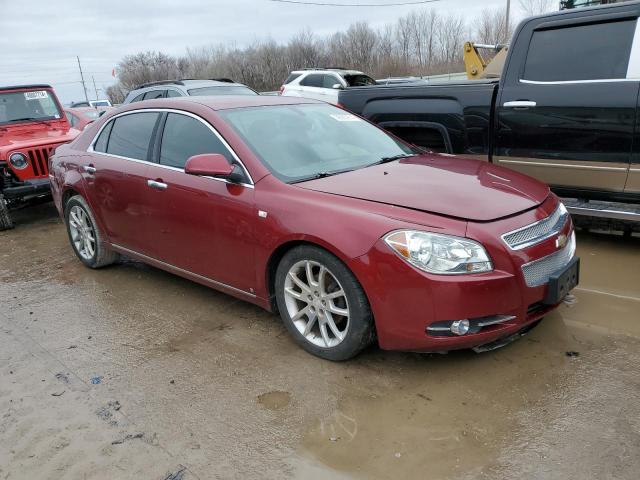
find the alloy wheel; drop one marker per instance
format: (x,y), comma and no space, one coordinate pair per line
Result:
(82,233)
(316,303)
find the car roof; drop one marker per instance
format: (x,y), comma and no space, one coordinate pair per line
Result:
(323,70)
(87,109)
(25,87)
(220,102)
(185,84)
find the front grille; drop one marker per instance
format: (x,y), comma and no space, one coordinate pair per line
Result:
(39,160)
(537,273)
(538,231)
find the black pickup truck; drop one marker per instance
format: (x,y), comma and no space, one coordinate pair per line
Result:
(565,109)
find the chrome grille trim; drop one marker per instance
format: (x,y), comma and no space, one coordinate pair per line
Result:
(537,273)
(537,232)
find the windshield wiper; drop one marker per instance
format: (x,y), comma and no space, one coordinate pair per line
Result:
(392,158)
(30,119)
(318,175)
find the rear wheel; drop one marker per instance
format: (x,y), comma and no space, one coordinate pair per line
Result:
(322,304)
(5,216)
(85,237)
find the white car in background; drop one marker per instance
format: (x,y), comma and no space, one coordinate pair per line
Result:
(324,83)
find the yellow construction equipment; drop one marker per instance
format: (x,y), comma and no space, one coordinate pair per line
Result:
(478,65)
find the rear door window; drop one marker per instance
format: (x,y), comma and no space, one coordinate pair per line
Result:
(184,137)
(313,80)
(292,77)
(131,135)
(595,51)
(154,94)
(173,93)
(138,98)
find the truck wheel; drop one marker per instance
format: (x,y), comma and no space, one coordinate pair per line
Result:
(322,304)
(85,237)
(5,216)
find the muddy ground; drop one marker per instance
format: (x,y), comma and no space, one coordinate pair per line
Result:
(130,372)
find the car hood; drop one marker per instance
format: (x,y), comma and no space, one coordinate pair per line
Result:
(15,137)
(442,184)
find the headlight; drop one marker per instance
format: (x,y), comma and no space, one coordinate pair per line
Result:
(441,254)
(18,160)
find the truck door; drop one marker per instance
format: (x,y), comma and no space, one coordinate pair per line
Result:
(566,111)
(633,180)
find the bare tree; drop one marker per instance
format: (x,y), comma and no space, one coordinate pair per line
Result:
(492,27)
(146,67)
(536,7)
(422,42)
(115,94)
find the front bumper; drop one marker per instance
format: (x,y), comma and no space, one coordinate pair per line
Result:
(406,301)
(29,188)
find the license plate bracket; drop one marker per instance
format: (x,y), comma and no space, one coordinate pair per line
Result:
(562,282)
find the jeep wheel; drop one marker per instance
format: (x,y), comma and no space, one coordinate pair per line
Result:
(322,304)
(5,216)
(84,235)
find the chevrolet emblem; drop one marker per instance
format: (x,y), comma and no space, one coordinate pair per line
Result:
(561,241)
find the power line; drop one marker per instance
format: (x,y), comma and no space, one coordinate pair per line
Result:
(328,4)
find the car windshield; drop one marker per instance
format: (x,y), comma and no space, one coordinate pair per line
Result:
(299,142)
(25,106)
(225,90)
(92,114)
(359,80)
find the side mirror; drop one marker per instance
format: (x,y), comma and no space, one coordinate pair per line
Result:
(209,164)
(337,86)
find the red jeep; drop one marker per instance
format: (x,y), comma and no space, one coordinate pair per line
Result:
(32,124)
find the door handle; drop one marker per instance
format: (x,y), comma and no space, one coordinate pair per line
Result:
(157,185)
(519,104)
(90,169)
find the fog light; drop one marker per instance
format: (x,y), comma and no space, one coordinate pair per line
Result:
(460,327)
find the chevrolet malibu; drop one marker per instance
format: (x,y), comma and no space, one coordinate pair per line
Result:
(304,209)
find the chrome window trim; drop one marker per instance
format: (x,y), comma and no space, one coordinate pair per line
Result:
(562,221)
(207,279)
(573,82)
(90,149)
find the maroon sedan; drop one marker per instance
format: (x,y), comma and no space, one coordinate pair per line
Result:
(305,209)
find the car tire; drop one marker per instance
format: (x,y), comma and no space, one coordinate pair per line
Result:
(5,216)
(84,235)
(325,322)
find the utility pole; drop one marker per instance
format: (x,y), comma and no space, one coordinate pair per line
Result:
(86,97)
(506,25)
(94,86)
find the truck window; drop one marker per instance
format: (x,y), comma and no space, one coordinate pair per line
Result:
(585,52)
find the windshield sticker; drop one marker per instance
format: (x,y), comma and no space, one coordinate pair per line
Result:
(36,95)
(345,117)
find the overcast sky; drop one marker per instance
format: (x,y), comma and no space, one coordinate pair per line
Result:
(41,38)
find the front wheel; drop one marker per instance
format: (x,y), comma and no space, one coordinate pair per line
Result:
(85,237)
(322,304)
(5,216)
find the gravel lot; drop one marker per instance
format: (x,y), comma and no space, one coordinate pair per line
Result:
(130,372)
